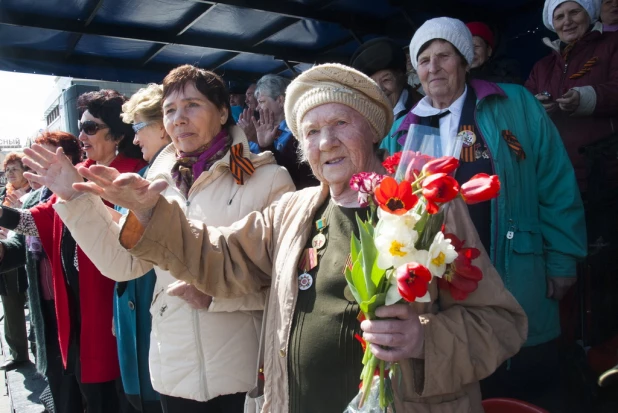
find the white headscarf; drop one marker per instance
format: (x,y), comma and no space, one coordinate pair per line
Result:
(593,7)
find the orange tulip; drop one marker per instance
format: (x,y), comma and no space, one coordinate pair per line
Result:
(395,198)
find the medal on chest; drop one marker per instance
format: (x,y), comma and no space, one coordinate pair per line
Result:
(310,256)
(468,141)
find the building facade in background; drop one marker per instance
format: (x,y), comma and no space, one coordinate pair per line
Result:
(62,114)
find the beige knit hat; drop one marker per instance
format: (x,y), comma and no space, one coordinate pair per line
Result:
(335,83)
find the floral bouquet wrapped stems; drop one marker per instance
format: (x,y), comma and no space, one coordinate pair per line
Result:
(402,249)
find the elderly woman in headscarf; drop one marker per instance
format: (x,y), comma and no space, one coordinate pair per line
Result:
(535,229)
(384,61)
(577,83)
(311,360)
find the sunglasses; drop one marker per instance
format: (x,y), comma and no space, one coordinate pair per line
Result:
(90,127)
(139,126)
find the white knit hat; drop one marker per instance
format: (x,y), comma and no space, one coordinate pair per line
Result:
(452,30)
(593,7)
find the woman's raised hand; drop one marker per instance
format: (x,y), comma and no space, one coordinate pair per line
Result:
(127,190)
(53,170)
(245,121)
(266,128)
(13,200)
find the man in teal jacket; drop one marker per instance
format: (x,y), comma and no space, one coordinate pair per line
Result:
(535,229)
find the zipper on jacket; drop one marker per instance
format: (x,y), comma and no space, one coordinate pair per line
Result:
(562,77)
(510,234)
(198,342)
(233,195)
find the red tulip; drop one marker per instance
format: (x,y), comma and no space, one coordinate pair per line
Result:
(481,187)
(416,163)
(391,163)
(412,281)
(458,286)
(395,198)
(455,241)
(462,277)
(440,188)
(445,164)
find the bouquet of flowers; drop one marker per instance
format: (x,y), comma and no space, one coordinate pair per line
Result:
(402,249)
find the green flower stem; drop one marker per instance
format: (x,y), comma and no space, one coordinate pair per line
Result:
(419,179)
(382,394)
(370,368)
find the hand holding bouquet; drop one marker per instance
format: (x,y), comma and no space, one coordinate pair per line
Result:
(402,248)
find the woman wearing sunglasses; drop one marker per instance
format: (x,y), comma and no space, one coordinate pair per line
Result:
(82,294)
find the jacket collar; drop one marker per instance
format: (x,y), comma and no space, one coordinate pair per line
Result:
(167,158)
(482,89)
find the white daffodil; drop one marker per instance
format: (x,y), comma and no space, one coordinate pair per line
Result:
(409,219)
(441,253)
(395,243)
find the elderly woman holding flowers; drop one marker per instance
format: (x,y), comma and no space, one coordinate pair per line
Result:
(299,247)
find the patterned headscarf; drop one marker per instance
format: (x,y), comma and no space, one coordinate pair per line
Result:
(189,166)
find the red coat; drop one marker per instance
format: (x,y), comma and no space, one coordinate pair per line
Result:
(549,75)
(98,352)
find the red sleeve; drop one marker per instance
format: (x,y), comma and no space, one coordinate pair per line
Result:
(43,215)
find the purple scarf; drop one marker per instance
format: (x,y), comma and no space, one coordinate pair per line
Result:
(189,166)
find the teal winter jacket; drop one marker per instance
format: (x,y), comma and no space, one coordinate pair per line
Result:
(537,222)
(132,324)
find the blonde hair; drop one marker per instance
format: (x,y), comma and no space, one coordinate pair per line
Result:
(146,102)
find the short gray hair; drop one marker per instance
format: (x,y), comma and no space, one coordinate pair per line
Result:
(272,86)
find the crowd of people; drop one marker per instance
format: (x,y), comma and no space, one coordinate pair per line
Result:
(160,249)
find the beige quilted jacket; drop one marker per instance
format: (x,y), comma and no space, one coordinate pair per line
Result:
(465,341)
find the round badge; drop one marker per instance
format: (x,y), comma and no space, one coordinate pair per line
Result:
(318,241)
(347,294)
(468,137)
(305,281)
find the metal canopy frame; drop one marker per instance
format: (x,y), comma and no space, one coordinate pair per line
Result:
(352,28)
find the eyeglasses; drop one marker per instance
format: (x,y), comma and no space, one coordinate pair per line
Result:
(139,126)
(90,127)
